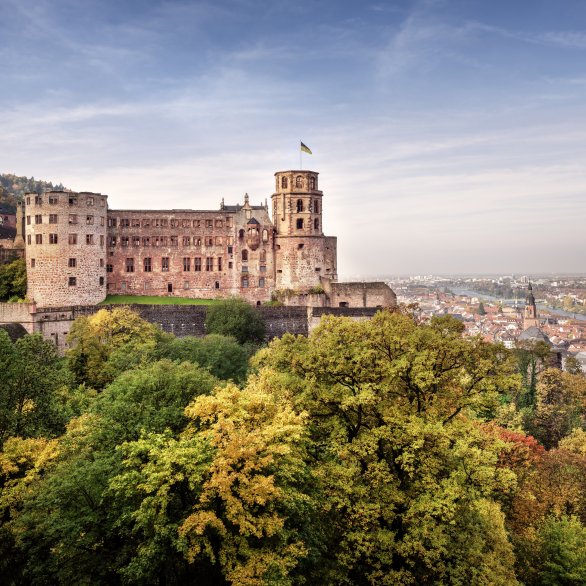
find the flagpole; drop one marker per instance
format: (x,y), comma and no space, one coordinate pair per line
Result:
(300,156)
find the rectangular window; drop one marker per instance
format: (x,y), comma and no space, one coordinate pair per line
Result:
(219,241)
(186,285)
(130,265)
(53,200)
(52,238)
(124,240)
(174,241)
(219,223)
(112,241)
(136,241)
(186,240)
(52,218)
(72,200)
(209,240)
(38,200)
(164,223)
(28,239)
(72,263)
(73,218)
(101,281)
(102,240)
(263,269)
(147,265)
(111,222)
(28,201)
(164,240)
(197,264)
(89,220)
(72,281)
(135,223)
(209,223)
(261,282)
(109,268)
(185,223)
(33,263)
(209,263)
(102,220)
(174,223)
(186,263)
(101,262)
(245,282)
(125,223)
(219,263)
(38,239)
(230,264)
(73,239)
(28,220)
(146,223)
(38,219)
(90,201)
(89,238)
(196,223)
(230,249)
(146,241)
(165,264)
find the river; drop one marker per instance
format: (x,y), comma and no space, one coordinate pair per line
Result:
(519,302)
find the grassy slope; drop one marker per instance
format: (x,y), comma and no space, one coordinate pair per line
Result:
(154,300)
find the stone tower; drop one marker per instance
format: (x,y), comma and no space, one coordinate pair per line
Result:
(530,314)
(303,255)
(66,248)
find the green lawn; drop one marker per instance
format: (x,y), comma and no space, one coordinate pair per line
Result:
(154,300)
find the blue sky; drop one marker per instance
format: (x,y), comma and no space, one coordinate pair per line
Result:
(450,134)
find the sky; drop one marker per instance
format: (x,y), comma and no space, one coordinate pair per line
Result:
(450,135)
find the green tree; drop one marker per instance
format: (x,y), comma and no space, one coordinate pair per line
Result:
(13,280)
(71,528)
(237,318)
(93,339)
(31,387)
(481,310)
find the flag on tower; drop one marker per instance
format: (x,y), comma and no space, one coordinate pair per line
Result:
(306,149)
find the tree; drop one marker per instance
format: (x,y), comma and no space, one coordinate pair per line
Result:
(13,280)
(408,482)
(235,317)
(93,339)
(481,310)
(33,377)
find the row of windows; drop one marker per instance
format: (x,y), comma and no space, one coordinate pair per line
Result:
(246,283)
(199,264)
(300,224)
(72,281)
(72,239)
(165,222)
(170,241)
(72,200)
(72,219)
(310,205)
(71,263)
(298,182)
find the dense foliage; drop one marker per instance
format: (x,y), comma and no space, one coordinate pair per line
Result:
(371,452)
(235,317)
(13,187)
(13,280)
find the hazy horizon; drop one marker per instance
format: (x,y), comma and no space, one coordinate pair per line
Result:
(449,135)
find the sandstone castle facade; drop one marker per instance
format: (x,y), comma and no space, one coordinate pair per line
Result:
(78,250)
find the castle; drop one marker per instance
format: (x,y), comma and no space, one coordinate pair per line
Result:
(78,250)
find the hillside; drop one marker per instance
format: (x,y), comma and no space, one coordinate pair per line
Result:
(13,188)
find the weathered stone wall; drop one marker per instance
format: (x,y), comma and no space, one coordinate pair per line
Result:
(188,253)
(18,313)
(373,294)
(66,248)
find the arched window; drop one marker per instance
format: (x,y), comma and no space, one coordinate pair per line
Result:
(316,224)
(241,233)
(244,255)
(298,181)
(284,183)
(312,182)
(299,205)
(300,224)
(265,235)
(316,207)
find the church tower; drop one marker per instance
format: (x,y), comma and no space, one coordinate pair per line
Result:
(530,314)
(304,256)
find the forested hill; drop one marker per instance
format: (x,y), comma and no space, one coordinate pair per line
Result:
(13,188)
